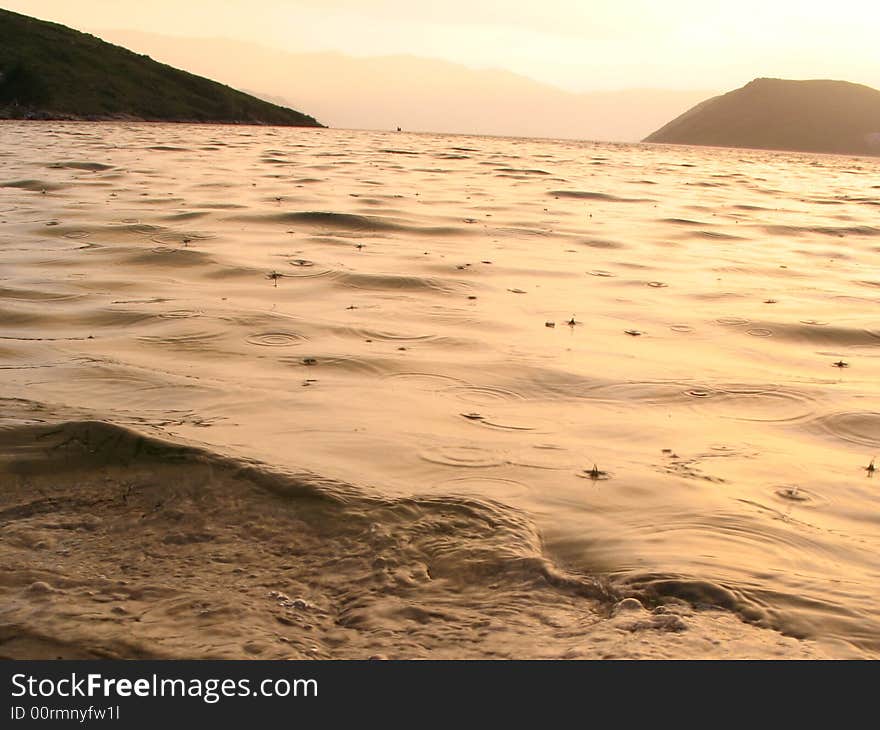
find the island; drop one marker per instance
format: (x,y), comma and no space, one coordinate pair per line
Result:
(779,114)
(51,72)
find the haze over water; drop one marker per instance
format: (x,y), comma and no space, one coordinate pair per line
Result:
(290,393)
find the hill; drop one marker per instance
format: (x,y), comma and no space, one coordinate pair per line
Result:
(49,71)
(778,114)
(419,94)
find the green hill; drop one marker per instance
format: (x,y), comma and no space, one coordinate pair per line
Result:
(778,114)
(48,71)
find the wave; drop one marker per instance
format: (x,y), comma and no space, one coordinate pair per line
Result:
(355,223)
(133,498)
(184,551)
(587,195)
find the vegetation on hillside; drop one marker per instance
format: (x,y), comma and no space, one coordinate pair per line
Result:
(48,71)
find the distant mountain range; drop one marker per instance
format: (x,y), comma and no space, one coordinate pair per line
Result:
(418,94)
(49,71)
(778,114)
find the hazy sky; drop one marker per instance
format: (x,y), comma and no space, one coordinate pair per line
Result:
(577,44)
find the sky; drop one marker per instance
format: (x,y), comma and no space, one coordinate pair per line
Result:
(579,45)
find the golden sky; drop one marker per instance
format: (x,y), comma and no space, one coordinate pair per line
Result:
(576,44)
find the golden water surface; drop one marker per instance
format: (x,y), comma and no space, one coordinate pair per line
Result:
(320,393)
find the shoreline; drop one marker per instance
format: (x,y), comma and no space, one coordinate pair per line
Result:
(60,117)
